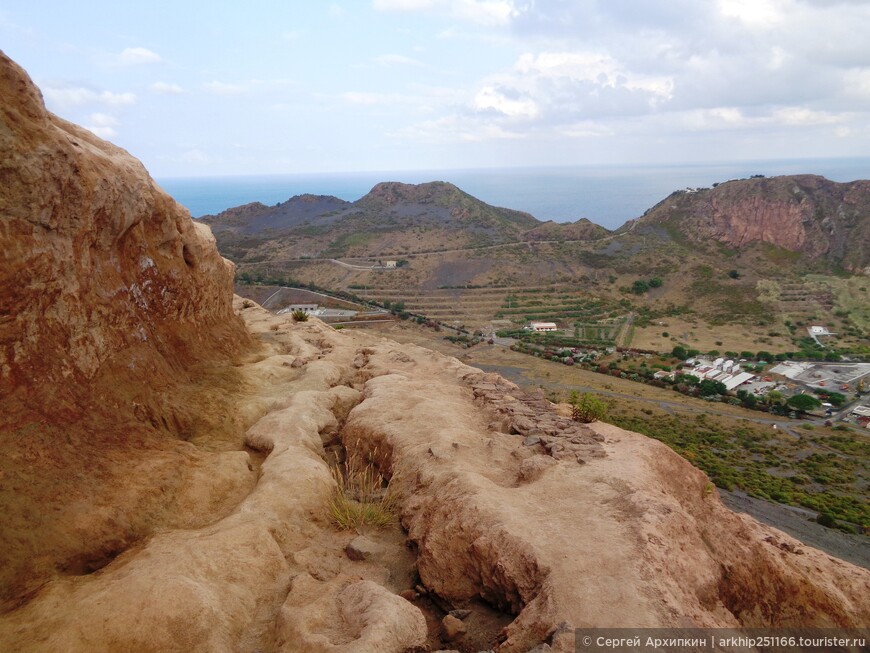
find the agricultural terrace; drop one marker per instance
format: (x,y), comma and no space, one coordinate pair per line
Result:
(580,314)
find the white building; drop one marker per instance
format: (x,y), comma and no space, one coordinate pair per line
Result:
(307,308)
(539,327)
(739,379)
(390,264)
(819,331)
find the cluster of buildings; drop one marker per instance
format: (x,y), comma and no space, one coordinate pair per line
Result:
(726,372)
(862,416)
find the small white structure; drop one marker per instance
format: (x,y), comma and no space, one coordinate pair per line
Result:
(540,327)
(739,379)
(308,308)
(390,264)
(727,365)
(861,411)
(718,362)
(819,331)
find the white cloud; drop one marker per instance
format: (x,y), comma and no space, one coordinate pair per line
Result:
(754,13)
(802,117)
(103,125)
(729,118)
(489,98)
(103,132)
(337,11)
(598,68)
(480,12)
(587,129)
(857,83)
(457,128)
(396,60)
(103,120)
(65,97)
(166,88)
(136,56)
(224,88)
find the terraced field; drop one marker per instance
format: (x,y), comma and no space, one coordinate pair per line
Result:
(804,300)
(571,308)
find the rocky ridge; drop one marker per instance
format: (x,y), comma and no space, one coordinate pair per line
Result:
(808,214)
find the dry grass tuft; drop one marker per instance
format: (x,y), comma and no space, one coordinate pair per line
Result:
(361,496)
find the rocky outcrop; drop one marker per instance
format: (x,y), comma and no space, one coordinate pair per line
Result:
(809,214)
(111,298)
(98,262)
(508,500)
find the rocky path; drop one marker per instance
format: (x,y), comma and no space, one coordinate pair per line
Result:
(517,524)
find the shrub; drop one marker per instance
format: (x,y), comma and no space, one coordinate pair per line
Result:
(587,408)
(361,496)
(247,304)
(299,315)
(826,520)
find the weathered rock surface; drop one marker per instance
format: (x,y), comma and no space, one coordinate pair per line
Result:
(362,548)
(111,302)
(98,263)
(452,628)
(631,536)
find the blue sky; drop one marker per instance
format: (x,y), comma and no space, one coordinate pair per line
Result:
(201,88)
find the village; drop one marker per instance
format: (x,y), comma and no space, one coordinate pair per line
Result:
(829,391)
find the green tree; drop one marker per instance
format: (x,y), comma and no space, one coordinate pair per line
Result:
(655,282)
(803,403)
(639,287)
(709,387)
(747,399)
(587,407)
(680,352)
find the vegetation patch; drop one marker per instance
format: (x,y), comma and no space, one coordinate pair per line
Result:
(361,496)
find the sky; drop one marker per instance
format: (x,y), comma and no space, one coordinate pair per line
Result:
(196,88)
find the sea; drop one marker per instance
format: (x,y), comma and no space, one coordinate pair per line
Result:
(606,195)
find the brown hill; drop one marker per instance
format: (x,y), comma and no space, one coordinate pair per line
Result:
(392,219)
(814,216)
(167,476)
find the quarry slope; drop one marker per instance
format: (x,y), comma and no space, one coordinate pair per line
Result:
(167,451)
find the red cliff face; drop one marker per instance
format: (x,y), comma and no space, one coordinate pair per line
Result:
(819,218)
(98,264)
(743,220)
